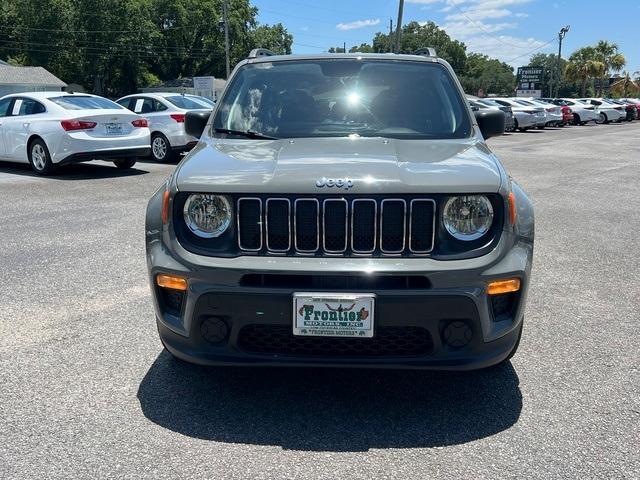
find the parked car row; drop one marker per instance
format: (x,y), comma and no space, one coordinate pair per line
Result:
(49,129)
(524,113)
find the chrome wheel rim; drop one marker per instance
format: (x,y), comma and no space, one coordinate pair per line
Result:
(601,118)
(38,156)
(159,147)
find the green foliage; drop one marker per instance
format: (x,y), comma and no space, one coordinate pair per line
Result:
(275,38)
(583,65)
(415,36)
(475,71)
(114,47)
(487,74)
(363,48)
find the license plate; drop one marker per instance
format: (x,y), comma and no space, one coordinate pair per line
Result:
(333,314)
(114,128)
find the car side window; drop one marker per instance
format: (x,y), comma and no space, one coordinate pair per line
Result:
(143,105)
(26,106)
(4,106)
(158,106)
(126,103)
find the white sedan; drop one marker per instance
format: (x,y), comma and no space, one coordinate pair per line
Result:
(47,129)
(166,113)
(607,112)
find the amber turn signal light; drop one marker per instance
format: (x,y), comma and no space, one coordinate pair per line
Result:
(172,282)
(503,286)
(512,208)
(165,207)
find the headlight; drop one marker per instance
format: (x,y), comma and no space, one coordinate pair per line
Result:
(206,215)
(468,217)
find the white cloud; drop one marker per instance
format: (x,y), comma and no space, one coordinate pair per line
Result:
(425,2)
(305,28)
(473,15)
(358,24)
(515,51)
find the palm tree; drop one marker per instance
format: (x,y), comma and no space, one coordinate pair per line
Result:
(608,53)
(584,65)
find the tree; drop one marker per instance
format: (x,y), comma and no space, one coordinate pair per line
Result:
(363,48)
(416,36)
(584,65)
(488,74)
(608,54)
(549,62)
(114,47)
(274,37)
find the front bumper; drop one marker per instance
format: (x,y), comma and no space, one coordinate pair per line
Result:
(252,297)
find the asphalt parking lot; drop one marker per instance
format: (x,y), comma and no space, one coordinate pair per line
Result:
(86,390)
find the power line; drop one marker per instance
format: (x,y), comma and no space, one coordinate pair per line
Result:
(532,51)
(482,27)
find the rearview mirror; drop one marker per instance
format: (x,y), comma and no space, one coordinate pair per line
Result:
(194,123)
(490,122)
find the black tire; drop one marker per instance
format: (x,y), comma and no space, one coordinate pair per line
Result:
(515,347)
(124,163)
(39,157)
(602,119)
(160,148)
(576,119)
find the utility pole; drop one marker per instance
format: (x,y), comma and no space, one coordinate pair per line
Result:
(563,31)
(344,47)
(399,26)
(225,11)
(390,35)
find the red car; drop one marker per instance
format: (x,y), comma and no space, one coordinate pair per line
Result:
(567,115)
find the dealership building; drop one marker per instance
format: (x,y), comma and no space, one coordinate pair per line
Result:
(27,79)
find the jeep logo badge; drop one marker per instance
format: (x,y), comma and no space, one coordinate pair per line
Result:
(345,183)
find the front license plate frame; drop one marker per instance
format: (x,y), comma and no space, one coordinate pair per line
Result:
(343,318)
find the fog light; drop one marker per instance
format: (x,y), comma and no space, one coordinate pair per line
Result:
(503,286)
(214,329)
(457,334)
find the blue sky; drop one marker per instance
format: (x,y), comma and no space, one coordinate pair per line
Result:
(510,30)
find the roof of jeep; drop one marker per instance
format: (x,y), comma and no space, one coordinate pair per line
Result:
(334,56)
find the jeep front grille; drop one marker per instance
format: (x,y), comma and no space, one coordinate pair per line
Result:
(336,226)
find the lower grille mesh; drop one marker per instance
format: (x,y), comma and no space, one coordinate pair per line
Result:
(387,342)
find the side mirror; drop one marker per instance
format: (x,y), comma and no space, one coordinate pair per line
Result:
(194,123)
(491,122)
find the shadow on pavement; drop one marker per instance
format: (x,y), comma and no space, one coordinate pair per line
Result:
(330,409)
(75,171)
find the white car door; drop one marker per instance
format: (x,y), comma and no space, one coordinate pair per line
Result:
(4,110)
(17,127)
(154,111)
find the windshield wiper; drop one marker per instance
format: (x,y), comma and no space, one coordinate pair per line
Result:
(247,134)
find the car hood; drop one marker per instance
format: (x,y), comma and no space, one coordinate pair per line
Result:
(374,165)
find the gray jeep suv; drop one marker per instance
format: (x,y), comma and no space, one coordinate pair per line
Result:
(341,210)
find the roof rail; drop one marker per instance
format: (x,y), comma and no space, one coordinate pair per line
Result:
(260,52)
(426,52)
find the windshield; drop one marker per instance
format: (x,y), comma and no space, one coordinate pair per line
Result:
(341,97)
(188,103)
(525,103)
(77,102)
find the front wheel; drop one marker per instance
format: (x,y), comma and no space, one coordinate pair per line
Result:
(160,148)
(39,158)
(124,163)
(602,118)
